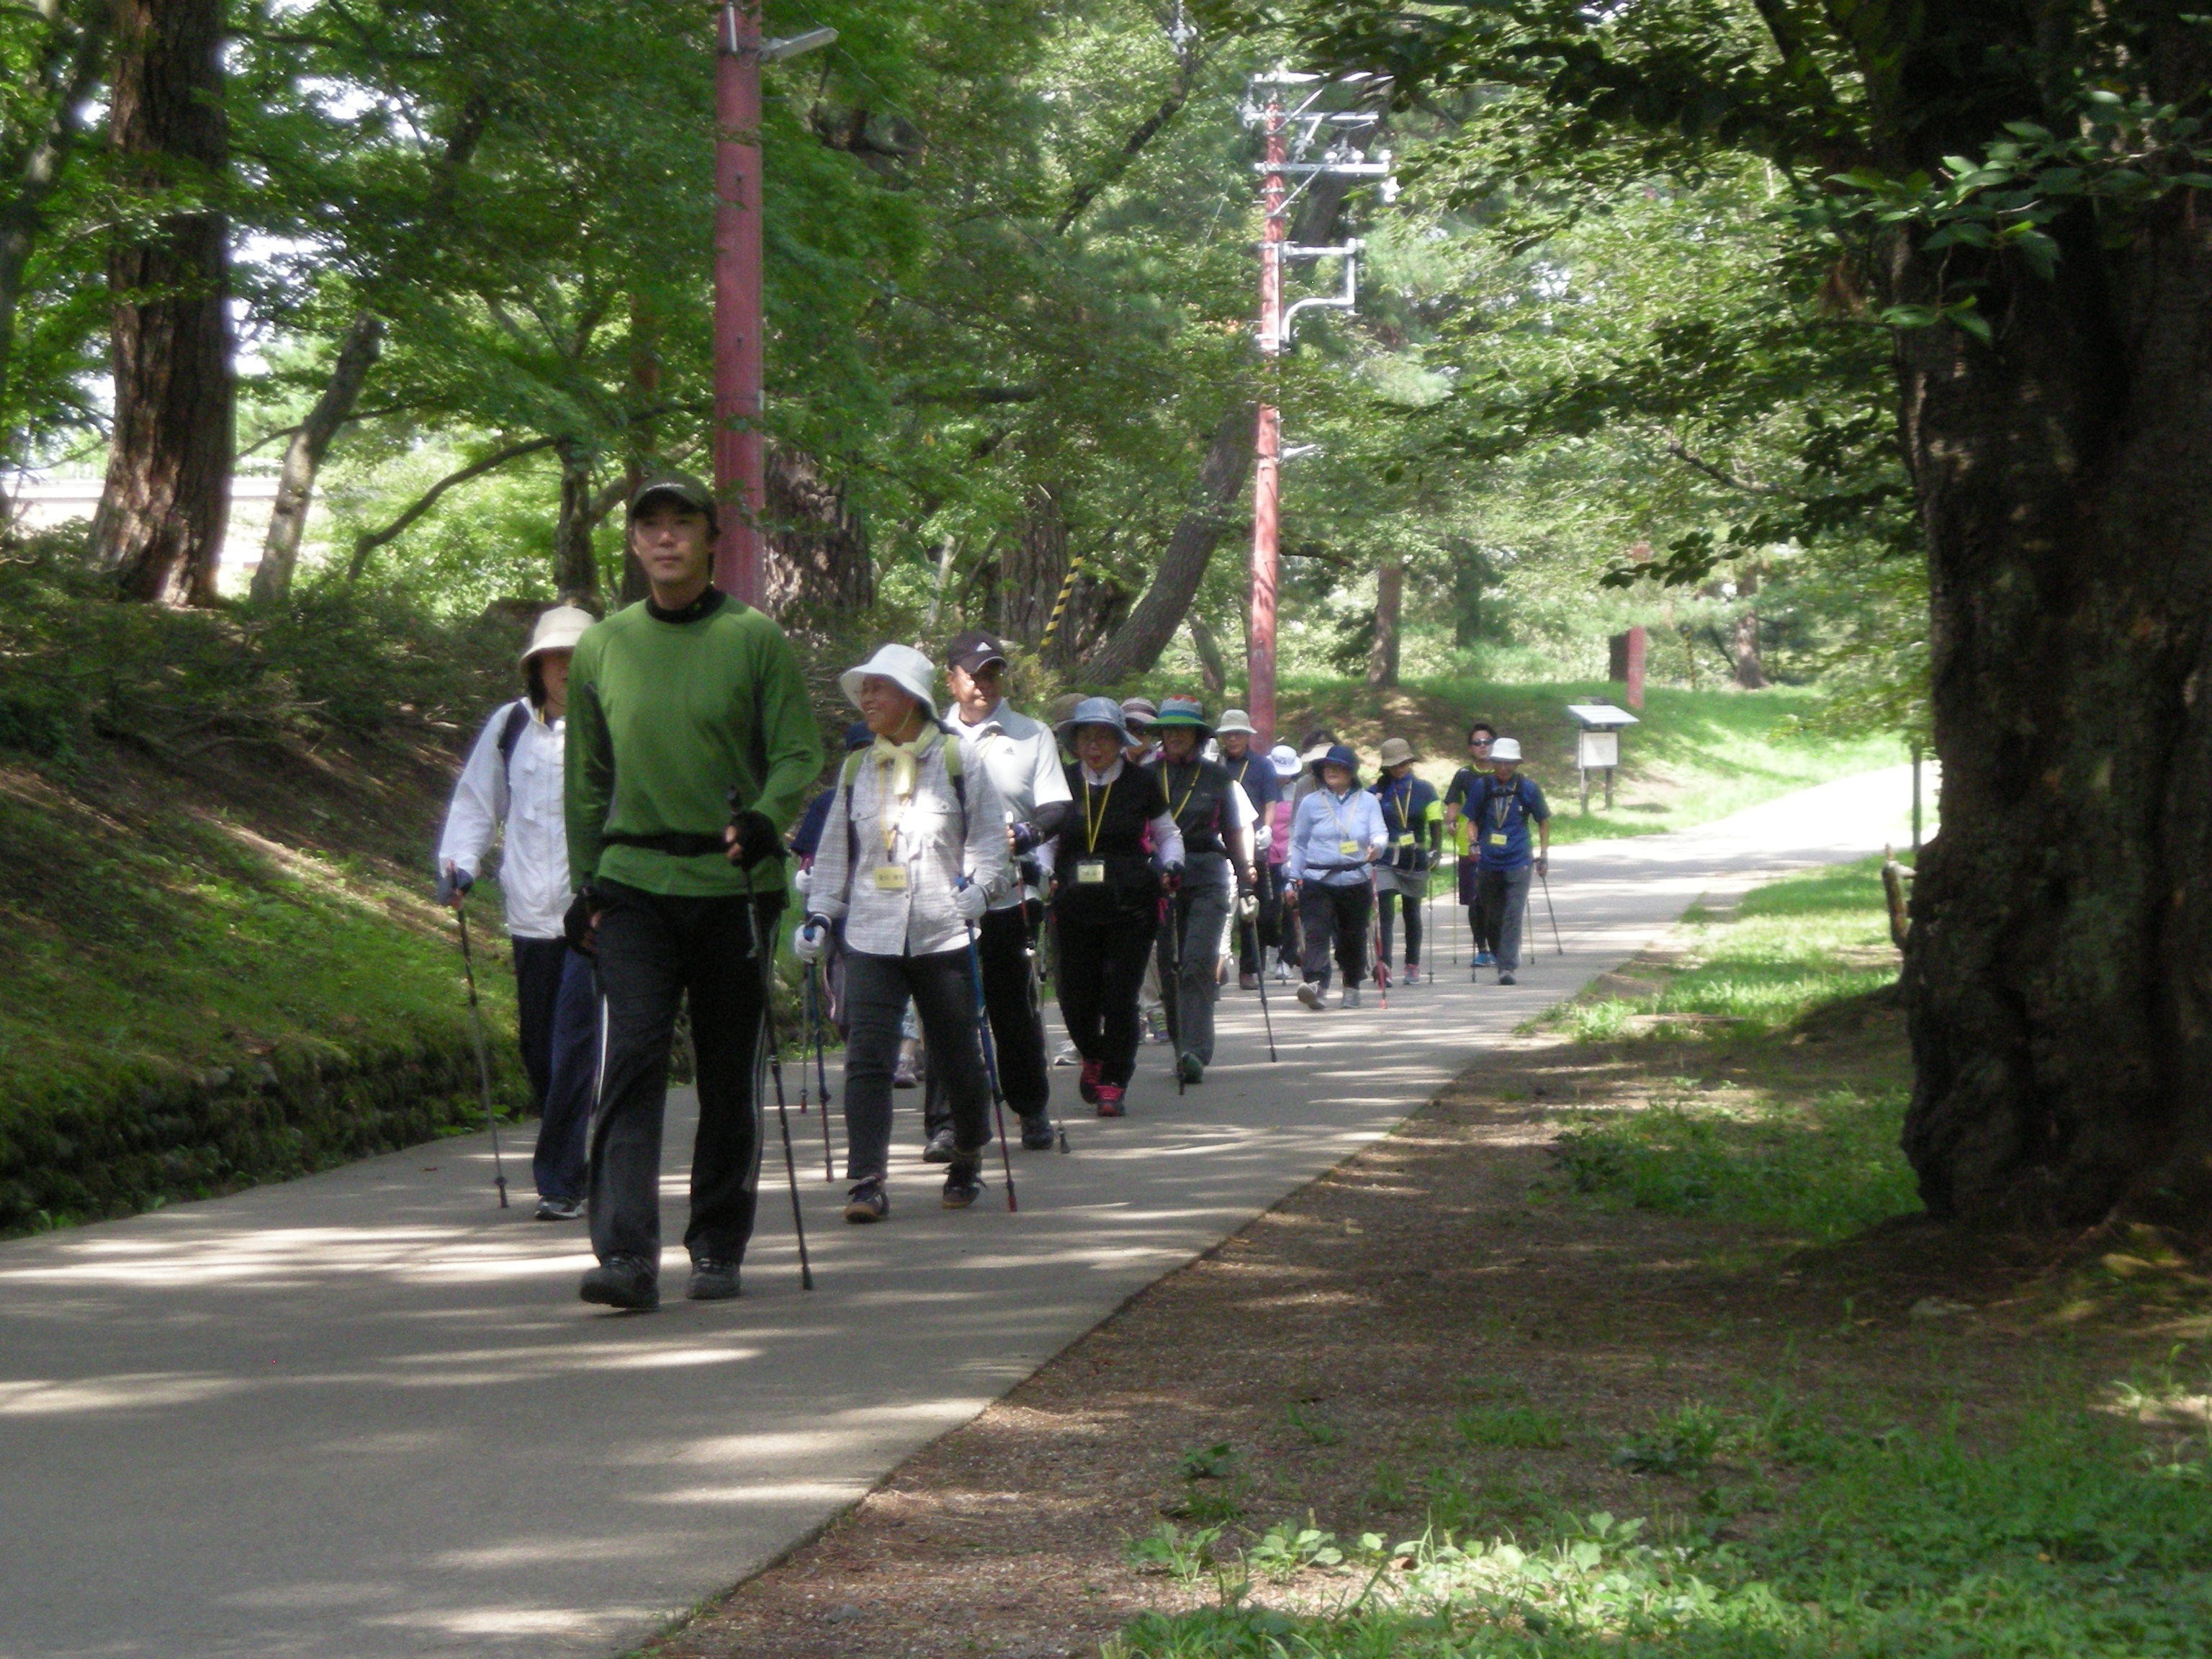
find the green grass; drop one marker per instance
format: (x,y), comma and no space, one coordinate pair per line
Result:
(1816,1167)
(2067,1541)
(193,1009)
(1695,757)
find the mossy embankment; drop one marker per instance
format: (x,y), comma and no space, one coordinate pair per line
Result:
(221,963)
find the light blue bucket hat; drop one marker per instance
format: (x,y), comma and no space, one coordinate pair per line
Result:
(1095,711)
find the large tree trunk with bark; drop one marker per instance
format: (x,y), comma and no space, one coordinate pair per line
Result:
(575,564)
(160,525)
(303,456)
(819,565)
(2058,976)
(1034,567)
(1136,645)
(1389,604)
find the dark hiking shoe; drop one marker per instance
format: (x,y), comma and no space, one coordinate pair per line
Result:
(622,1281)
(1088,1088)
(1310,993)
(712,1281)
(1248,981)
(940,1149)
(868,1202)
(1191,1069)
(558,1209)
(1109,1101)
(1507,979)
(963,1183)
(1036,1133)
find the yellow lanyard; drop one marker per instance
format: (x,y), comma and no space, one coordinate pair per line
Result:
(1401,801)
(1091,826)
(885,802)
(1175,812)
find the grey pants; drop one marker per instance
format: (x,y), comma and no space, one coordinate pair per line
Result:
(944,993)
(1200,913)
(1501,899)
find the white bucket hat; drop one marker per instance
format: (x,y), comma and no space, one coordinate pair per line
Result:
(1505,748)
(1235,720)
(1284,759)
(558,629)
(902,665)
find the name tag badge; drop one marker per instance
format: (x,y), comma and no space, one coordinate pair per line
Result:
(1497,838)
(1401,841)
(1089,872)
(1351,849)
(890,878)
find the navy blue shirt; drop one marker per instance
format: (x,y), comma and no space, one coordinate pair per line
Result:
(1257,775)
(1498,815)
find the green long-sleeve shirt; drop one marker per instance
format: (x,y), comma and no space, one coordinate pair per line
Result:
(663,717)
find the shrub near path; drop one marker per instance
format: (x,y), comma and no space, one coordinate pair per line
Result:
(1598,1355)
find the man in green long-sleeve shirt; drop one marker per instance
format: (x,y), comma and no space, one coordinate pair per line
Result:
(689,741)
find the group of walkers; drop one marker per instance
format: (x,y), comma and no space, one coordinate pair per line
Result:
(646,783)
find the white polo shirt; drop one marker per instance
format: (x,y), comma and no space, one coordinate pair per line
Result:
(1021,758)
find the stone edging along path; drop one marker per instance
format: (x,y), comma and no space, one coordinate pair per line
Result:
(361,1415)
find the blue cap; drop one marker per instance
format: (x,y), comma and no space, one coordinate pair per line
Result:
(1095,711)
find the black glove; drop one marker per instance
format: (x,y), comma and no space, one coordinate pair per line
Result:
(753,837)
(579,925)
(1171,877)
(453,885)
(1026,836)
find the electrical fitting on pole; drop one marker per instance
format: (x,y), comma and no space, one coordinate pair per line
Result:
(1305,141)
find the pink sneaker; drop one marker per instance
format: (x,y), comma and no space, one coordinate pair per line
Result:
(1109,1100)
(1088,1088)
(1412,973)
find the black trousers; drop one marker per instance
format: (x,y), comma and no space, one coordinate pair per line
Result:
(1102,953)
(655,951)
(1335,916)
(1392,901)
(1002,944)
(877,989)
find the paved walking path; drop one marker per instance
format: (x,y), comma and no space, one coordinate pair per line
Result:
(362,1413)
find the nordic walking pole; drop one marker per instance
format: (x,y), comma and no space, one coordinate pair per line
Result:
(783,1118)
(1253,922)
(1172,983)
(814,1034)
(1546,882)
(1037,1012)
(484,1056)
(1375,936)
(990,1062)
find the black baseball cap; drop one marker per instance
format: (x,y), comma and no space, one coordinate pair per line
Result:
(971,650)
(680,487)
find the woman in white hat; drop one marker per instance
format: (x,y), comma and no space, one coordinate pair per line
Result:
(1284,936)
(513,780)
(912,853)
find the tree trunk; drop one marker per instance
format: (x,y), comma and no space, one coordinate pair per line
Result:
(645,372)
(1137,644)
(819,565)
(2058,976)
(1035,567)
(575,565)
(1212,668)
(1389,601)
(303,456)
(1743,652)
(160,525)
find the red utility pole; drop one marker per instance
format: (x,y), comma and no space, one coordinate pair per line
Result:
(740,461)
(1267,488)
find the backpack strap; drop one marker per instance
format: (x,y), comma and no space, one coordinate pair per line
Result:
(851,771)
(510,734)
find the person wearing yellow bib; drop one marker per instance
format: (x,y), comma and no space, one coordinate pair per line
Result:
(913,851)
(1118,852)
(1336,835)
(1498,813)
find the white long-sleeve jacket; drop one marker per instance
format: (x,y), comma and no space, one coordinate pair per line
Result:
(912,913)
(525,796)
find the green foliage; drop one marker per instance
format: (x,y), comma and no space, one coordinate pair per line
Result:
(2065,1540)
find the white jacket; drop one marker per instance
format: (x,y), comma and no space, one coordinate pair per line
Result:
(525,795)
(927,846)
